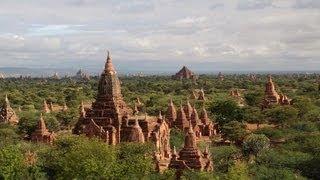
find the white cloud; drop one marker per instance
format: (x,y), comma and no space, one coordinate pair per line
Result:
(190,31)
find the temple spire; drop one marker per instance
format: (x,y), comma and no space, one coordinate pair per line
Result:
(7,102)
(41,125)
(109,66)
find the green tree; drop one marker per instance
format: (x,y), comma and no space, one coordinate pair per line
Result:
(253,144)
(226,111)
(282,115)
(11,163)
(234,131)
(78,157)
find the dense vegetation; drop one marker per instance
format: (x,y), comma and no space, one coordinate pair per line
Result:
(289,148)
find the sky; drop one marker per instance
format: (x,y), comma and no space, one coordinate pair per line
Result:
(160,35)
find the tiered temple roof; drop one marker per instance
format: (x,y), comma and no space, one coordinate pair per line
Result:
(110,119)
(171,114)
(272,97)
(190,157)
(41,134)
(7,114)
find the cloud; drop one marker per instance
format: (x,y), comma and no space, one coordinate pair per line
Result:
(312,4)
(253,4)
(262,34)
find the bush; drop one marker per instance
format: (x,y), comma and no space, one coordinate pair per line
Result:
(224,157)
(255,143)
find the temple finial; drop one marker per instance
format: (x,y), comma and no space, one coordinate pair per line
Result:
(190,127)
(108,56)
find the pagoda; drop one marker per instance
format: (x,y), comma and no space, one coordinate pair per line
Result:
(171,114)
(190,157)
(111,120)
(272,97)
(184,73)
(7,114)
(201,95)
(41,134)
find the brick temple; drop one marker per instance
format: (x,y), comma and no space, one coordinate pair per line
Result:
(272,97)
(42,134)
(184,73)
(113,121)
(7,114)
(190,157)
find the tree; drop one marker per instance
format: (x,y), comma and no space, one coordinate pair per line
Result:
(253,144)
(226,111)
(134,160)
(176,138)
(254,115)
(234,131)
(224,157)
(239,171)
(78,157)
(282,115)
(253,98)
(11,163)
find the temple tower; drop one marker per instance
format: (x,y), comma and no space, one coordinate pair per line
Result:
(7,114)
(171,114)
(41,134)
(109,106)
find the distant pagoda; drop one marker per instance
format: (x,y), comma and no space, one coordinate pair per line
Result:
(184,73)
(272,97)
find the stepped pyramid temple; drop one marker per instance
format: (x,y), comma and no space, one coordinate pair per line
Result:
(190,156)
(184,73)
(7,114)
(272,97)
(110,119)
(41,134)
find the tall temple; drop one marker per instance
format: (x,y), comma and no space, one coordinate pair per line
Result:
(185,73)
(110,119)
(7,114)
(272,97)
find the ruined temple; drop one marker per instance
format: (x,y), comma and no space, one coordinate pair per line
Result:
(185,73)
(41,134)
(272,97)
(7,114)
(111,120)
(190,157)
